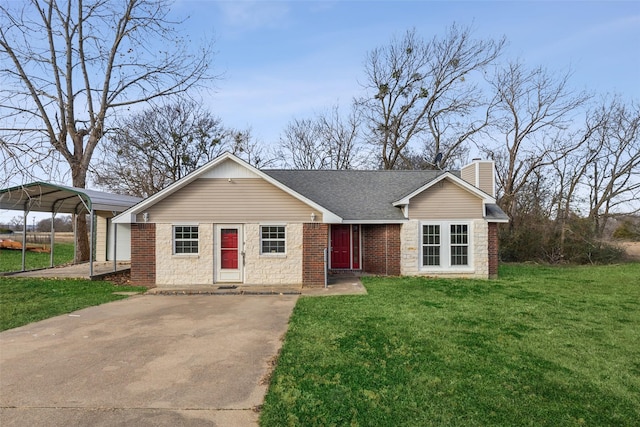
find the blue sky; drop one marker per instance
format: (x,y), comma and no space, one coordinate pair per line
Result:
(285,59)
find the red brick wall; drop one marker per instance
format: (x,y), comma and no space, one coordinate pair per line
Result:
(381,249)
(143,254)
(493,250)
(315,239)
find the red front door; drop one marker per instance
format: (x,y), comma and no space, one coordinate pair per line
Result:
(340,246)
(229,248)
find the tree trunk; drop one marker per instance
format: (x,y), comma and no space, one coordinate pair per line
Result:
(79,175)
(82,239)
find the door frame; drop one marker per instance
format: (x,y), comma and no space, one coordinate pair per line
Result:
(228,275)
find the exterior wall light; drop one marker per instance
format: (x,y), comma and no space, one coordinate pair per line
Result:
(313,216)
(145,217)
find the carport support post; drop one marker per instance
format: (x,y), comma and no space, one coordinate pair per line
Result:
(24,239)
(91,230)
(75,238)
(53,217)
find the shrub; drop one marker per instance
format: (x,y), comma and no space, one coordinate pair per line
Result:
(537,238)
(627,231)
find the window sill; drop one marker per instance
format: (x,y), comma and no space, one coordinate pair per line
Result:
(445,270)
(273,255)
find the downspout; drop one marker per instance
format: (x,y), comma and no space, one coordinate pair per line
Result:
(115,243)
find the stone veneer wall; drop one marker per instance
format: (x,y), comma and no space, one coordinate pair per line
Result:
(184,269)
(381,249)
(143,254)
(198,269)
(410,241)
(271,269)
(315,240)
(481,249)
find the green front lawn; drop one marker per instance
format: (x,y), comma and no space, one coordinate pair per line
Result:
(26,300)
(11,260)
(541,346)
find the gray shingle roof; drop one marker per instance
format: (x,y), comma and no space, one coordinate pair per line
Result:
(355,195)
(494,213)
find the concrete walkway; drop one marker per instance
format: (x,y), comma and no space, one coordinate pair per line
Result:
(149,360)
(75,270)
(337,286)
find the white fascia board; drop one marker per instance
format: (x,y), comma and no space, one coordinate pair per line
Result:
(458,181)
(500,221)
(124,218)
(129,216)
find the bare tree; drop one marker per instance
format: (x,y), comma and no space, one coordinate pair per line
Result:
(533,109)
(61,223)
(242,144)
(341,138)
(69,66)
(424,91)
(154,148)
(613,175)
(301,145)
(327,141)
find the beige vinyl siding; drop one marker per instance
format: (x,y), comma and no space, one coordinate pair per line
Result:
(445,200)
(468,173)
(480,174)
(238,200)
(101,235)
(486,177)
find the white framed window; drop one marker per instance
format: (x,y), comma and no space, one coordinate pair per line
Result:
(185,239)
(273,239)
(431,244)
(459,244)
(445,246)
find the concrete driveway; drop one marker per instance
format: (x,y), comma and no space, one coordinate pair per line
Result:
(146,361)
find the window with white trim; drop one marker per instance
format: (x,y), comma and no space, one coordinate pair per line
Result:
(431,244)
(459,240)
(272,239)
(445,245)
(185,239)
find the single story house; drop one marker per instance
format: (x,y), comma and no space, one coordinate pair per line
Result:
(229,222)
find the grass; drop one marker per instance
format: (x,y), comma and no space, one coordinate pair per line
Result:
(26,300)
(11,260)
(541,346)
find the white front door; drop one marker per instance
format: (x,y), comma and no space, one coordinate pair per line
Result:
(229,253)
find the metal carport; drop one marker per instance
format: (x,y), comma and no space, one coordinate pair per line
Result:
(54,198)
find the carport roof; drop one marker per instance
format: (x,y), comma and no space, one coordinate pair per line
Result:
(47,197)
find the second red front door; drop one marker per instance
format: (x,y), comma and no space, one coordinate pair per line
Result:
(340,246)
